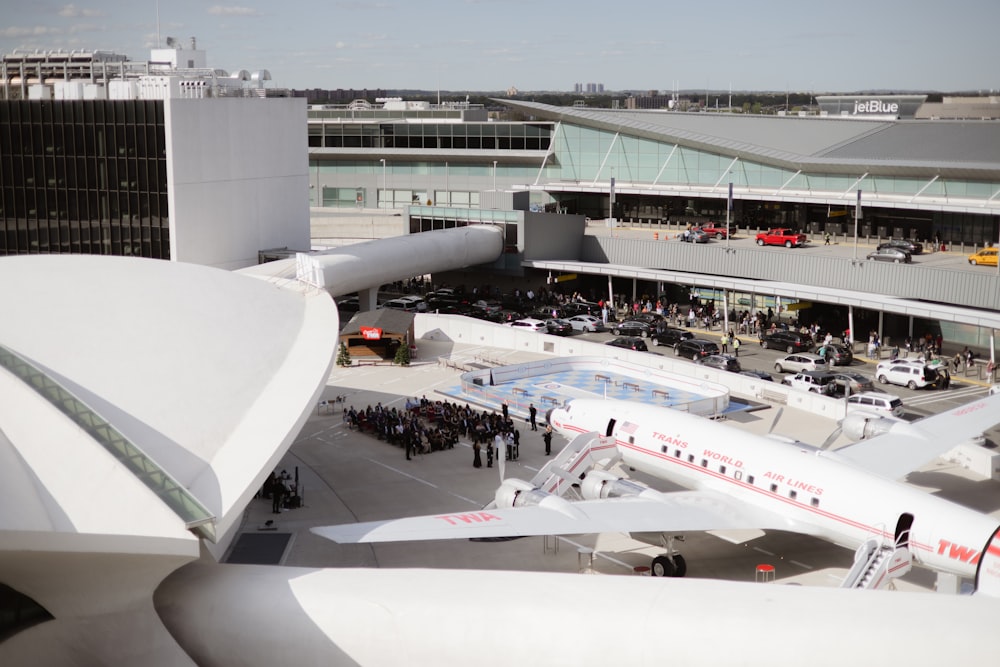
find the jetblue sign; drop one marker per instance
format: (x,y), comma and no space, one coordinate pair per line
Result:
(876,107)
(864,106)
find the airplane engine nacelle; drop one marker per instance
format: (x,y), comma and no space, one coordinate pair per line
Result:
(598,485)
(863,425)
(518,493)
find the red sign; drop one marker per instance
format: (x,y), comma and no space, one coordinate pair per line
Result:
(371,333)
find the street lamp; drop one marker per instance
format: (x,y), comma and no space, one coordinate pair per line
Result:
(494,184)
(384,192)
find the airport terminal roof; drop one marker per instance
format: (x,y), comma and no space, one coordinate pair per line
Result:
(959,149)
(117,369)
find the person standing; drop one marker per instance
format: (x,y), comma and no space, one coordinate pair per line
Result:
(477,461)
(736,346)
(547,437)
(724,343)
(532,414)
(506,410)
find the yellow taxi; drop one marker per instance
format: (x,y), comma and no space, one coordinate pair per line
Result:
(987,256)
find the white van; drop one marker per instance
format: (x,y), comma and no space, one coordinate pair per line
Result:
(875,401)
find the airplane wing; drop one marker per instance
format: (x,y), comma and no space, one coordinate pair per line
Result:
(652,511)
(908,446)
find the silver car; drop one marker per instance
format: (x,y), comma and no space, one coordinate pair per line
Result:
(800,361)
(585,323)
(890,255)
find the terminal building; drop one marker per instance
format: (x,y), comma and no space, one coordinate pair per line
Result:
(167,158)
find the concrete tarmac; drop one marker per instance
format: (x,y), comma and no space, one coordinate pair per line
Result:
(347,476)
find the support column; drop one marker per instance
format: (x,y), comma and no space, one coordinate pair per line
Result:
(368,299)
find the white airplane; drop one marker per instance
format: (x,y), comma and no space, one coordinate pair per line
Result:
(740,485)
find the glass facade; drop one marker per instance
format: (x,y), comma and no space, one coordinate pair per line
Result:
(83,176)
(462,136)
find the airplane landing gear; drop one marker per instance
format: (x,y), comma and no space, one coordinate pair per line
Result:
(670,564)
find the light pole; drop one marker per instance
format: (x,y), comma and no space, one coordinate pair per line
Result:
(494,184)
(382,160)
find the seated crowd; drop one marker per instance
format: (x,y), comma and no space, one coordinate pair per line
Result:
(429,426)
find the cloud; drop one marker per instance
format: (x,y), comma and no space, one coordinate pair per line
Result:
(219,10)
(72,12)
(37,31)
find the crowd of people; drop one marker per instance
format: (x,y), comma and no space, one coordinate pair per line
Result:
(424,426)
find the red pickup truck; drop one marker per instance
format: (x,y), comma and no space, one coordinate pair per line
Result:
(786,237)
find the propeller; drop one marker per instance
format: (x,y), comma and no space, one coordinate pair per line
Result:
(774,422)
(832,437)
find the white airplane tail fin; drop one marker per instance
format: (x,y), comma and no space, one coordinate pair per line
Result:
(988,572)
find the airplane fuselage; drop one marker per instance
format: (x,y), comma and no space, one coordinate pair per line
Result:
(819,493)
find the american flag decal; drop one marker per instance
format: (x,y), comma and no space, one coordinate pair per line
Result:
(629,427)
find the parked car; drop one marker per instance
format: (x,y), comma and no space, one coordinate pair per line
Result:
(571,308)
(852,383)
(694,236)
(558,327)
(695,348)
(723,362)
(876,402)
(801,361)
(836,354)
(789,341)
(914,375)
(585,323)
(786,237)
(629,343)
(631,328)
(759,375)
(529,325)
(670,336)
(417,301)
(894,255)
(818,382)
(400,304)
(912,247)
(986,257)
(714,231)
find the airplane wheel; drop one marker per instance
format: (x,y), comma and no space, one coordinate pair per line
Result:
(680,566)
(662,567)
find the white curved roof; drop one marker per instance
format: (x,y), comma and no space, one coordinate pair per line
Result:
(210,373)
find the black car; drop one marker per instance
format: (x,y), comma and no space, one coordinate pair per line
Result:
(629,343)
(695,348)
(631,328)
(912,247)
(571,308)
(670,336)
(789,341)
(760,375)
(723,362)
(558,327)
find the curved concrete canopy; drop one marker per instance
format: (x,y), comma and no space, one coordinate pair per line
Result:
(209,373)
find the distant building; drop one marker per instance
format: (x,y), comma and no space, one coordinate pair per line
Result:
(167,159)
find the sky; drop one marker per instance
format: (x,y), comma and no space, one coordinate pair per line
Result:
(534,45)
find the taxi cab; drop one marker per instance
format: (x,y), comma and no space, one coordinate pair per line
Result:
(986,256)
